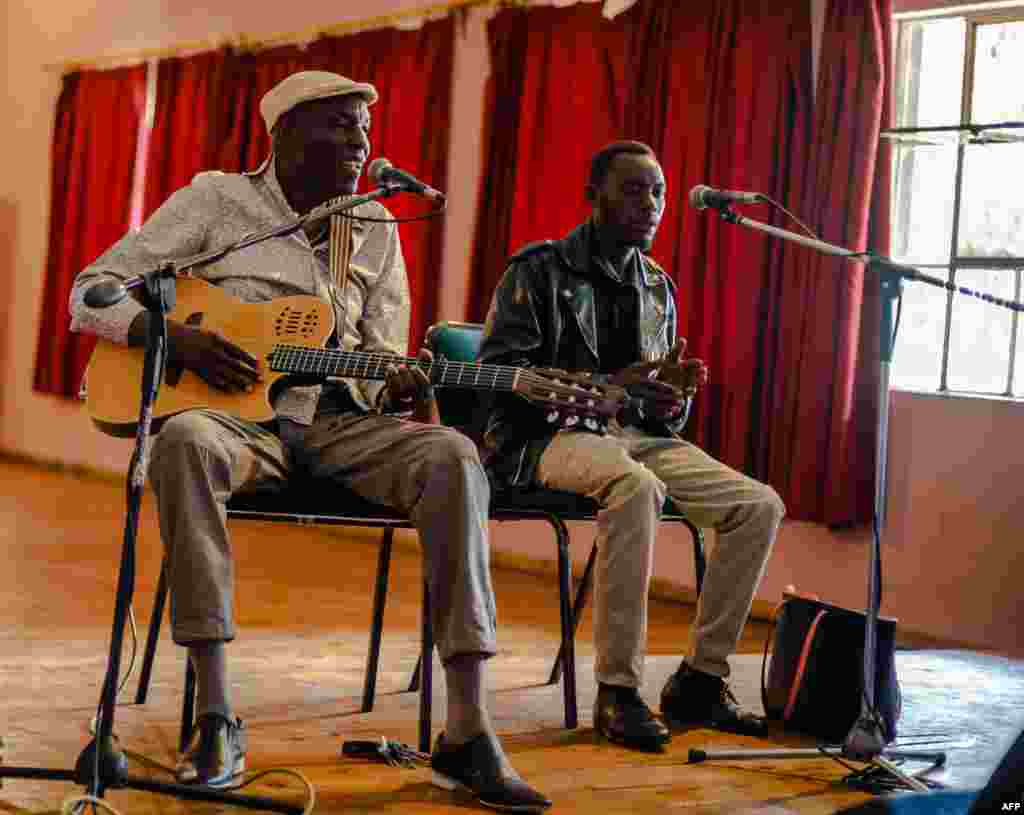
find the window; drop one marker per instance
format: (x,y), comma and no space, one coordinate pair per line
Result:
(958,200)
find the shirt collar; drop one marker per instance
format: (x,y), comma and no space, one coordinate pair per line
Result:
(602,265)
(268,172)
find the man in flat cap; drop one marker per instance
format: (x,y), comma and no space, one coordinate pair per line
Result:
(355,432)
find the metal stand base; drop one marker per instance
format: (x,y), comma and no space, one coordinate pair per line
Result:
(113,774)
(882,760)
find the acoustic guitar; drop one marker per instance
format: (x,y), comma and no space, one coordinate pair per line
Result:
(288,334)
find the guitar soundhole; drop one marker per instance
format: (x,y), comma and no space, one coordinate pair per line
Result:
(292,322)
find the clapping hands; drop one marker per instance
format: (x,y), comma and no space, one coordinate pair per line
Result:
(665,384)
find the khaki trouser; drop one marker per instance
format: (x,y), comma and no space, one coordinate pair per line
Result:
(200,458)
(629,473)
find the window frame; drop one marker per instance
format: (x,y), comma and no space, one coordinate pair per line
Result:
(973,17)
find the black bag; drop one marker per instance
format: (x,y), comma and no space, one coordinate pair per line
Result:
(815,681)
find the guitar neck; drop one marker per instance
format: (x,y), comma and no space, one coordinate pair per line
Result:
(297,359)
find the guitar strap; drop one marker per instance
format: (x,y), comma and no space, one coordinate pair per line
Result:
(340,253)
(341,256)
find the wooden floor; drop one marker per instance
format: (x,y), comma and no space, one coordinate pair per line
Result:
(297,669)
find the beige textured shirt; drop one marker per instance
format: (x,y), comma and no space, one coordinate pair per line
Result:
(217,209)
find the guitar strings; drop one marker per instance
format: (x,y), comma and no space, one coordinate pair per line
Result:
(351,361)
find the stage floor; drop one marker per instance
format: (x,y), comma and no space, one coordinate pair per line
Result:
(297,670)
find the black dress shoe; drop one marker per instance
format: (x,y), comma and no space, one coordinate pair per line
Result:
(692,697)
(215,755)
(476,768)
(621,716)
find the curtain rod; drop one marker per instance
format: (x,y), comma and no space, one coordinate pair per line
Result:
(247,43)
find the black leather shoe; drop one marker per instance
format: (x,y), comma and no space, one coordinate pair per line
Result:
(692,697)
(621,717)
(475,768)
(216,752)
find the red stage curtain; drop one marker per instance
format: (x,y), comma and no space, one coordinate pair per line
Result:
(193,111)
(822,410)
(93,163)
(556,94)
(412,71)
(723,92)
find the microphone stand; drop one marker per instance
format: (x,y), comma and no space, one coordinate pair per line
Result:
(865,741)
(101,765)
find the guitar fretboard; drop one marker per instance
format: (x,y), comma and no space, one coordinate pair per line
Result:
(297,359)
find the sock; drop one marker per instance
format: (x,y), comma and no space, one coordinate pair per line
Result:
(210,662)
(467,716)
(620,693)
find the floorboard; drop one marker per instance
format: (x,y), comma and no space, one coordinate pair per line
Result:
(297,671)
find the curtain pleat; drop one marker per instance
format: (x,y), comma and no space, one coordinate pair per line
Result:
(92,167)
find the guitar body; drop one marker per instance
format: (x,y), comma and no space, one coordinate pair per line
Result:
(114,375)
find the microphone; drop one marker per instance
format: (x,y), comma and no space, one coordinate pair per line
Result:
(702,197)
(382,171)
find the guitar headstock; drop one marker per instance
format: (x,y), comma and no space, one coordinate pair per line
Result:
(572,399)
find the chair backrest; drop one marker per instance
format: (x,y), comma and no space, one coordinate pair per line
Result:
(458,342)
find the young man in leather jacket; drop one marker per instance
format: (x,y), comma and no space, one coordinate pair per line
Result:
(595,301)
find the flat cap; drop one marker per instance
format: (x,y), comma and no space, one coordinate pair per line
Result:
(305,86)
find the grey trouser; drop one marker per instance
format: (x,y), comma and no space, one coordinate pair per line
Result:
(200,458)
(629,473)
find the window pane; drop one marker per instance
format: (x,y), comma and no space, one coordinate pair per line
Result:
(992,207)
(998,68)
(924,179)
(917,357)
(979,343)
(929,72)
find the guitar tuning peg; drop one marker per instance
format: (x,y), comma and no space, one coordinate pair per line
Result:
(551,417)
(572,420)
(590,423)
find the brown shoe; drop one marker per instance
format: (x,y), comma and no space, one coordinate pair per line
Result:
(692,697)
(622,717)
(215,755)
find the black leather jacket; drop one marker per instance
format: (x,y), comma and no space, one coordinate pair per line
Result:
(543,315)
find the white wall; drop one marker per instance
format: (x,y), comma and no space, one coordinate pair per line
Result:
(952,544)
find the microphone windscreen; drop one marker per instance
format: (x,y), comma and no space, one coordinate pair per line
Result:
(697,196)
(105,293)
(377,169)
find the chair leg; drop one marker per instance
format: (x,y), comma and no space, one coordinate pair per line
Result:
(188,705)
(155,620)
(380,596)
(699,560)
(427,664)
(567,651)
(580,603)
(414,681)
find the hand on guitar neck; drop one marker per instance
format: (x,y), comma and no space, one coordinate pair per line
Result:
(406,387)
(665,384)
(220,363)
